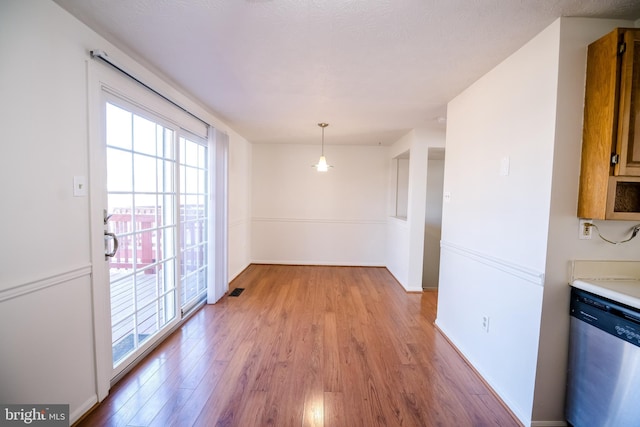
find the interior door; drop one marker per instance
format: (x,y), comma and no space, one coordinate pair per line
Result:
(141,228)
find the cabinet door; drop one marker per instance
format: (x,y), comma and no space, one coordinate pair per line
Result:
(628,141)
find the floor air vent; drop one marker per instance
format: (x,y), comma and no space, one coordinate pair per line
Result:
(236,292)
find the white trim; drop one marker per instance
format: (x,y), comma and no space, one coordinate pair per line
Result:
(310,262)
(549,424)
(101,302)
(83,409)
(513,407)
(524,273)
(45,282)
(239,222)
(320,220)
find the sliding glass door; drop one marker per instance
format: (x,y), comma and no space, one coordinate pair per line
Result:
(156,225)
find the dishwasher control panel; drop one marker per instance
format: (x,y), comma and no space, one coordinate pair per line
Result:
(612,317)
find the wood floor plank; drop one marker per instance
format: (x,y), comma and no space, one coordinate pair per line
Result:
(306,346)
(230,389)
(332,366)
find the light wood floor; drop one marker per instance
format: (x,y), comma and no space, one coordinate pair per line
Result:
(306,346)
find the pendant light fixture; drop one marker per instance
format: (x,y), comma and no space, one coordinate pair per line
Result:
(322,165)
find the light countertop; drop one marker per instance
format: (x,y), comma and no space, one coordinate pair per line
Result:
(624,291)
(616,280)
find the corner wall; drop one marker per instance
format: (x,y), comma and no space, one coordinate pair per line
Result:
(494,227)
(405,238)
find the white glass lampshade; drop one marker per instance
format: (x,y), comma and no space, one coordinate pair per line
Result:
(322,165)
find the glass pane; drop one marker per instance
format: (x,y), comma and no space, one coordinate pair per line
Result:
(122,333)
(118,127)
(146,288)
(160,171)
(120,209)
(145,249)
(168,176)
(118,170)
(168,307)
(199,255)
(202,181)
(166,209)
(144,135)
(191,184)
(147,322)
(200,229)
(146,211)
(144,173)
(192,154)
(166,276)
(184,236)
(202,280)
(183,150)
(202,206)
(189,263)
(202,159)
(188,289)
(160,141)
(183,180)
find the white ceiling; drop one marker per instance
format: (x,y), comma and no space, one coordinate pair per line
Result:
(372,69)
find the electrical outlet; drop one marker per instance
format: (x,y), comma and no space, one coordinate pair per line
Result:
(584,229)
(485,323)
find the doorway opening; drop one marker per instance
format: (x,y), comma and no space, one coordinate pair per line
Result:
(433,218)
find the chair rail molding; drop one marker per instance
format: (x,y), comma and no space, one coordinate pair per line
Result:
(524,273)
(45,282)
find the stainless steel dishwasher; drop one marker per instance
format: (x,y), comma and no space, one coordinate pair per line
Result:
(603,386)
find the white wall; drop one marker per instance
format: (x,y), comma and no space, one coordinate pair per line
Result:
(402,186)
(46,309)
(302,216)
(508,240)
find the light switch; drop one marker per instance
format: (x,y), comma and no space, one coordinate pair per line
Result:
(446,196)
(79,186)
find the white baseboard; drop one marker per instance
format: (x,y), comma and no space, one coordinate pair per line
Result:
(80,411)
(549,424)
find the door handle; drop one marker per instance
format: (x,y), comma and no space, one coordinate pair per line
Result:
(115,244)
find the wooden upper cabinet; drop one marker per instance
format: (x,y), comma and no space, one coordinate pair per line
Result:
(610,163)
(629,121)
